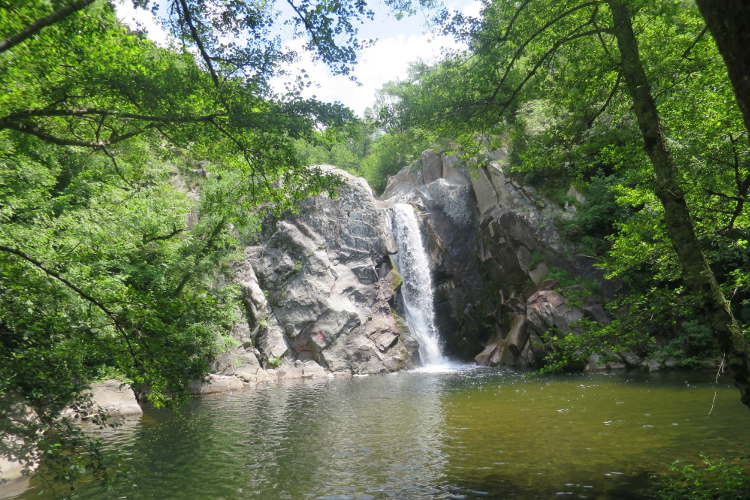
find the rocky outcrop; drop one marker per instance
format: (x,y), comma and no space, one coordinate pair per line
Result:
(549,310)
(13,481)
(493,244)
(442,194)
(318,293)
(115,399)
(110,398)
(14,474)
(213,383)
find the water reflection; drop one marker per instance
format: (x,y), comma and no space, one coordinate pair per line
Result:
(358,438)
(467,434)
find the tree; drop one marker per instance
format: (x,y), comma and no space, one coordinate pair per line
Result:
(696,271)
(729,22)
(527,55)
(129,173)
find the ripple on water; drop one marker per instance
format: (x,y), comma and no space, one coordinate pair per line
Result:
(465,432)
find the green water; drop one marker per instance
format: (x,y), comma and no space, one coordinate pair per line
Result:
(470,434)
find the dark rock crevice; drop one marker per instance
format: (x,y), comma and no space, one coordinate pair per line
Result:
(492,242)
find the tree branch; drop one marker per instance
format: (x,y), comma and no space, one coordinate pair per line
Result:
(81,293)
(519,52)
(29,113)
(185,11)
(42,23)
(604,107)
(559,43)
(695,42)
(742,185)
(62,141)
(516,15)
(201,255)
(310,28)
(174,232)
(116,165)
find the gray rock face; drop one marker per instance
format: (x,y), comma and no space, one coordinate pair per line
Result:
(214,384)
(548,309)
(318,290)
(115,398)
(112,397)
(450,220)
(493,241)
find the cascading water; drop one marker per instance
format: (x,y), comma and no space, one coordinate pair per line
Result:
(413,264)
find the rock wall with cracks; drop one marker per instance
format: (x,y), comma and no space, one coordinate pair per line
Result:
(493,242)
(319,294)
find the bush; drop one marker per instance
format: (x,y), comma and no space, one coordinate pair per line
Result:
(722,478)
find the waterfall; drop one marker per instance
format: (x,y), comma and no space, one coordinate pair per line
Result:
(414,266)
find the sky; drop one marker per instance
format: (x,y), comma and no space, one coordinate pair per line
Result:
(398,43)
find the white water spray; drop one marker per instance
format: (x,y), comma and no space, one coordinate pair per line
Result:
(413,264)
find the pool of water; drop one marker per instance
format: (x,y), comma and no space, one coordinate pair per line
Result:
(475,433)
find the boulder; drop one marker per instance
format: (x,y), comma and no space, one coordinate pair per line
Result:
(403,183)
(454,171)
(598,363)
(115,398)
(490,355)
(214,383)
(538,273)
(652,365)
(548,309)
(631,359)
(288,370)
(311,369)
(111,397)
(248,368)
(512,350)
(484,191)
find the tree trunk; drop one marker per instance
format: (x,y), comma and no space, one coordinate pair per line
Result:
(696,272)
(729,22)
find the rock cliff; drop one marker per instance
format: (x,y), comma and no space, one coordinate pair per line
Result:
(318,293)
(493,244)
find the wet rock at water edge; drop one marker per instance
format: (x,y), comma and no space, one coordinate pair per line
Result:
(212,384)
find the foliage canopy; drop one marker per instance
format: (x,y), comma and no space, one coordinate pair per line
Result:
(128,174)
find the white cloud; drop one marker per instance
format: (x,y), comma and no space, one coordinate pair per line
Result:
(386,60)
(141,19)
(473,9)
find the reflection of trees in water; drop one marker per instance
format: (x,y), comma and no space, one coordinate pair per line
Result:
(379,434)
(417,435)
(349,436)
(321,437)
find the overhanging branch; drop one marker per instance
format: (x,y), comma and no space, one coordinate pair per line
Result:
(64,141)
(559,43)
(30,113)
(42,23)
(81,293)
(519,52)
(185,12)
